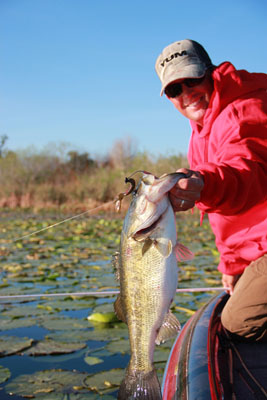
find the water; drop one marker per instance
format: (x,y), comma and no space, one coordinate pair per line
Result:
(76,257)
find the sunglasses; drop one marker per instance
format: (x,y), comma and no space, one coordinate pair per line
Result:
(175,89)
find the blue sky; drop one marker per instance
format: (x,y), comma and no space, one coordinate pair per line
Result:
(82,71)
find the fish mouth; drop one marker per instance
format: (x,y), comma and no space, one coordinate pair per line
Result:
(145,232)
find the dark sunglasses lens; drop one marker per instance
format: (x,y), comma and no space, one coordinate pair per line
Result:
(173,90)
(193,81)
(176,89)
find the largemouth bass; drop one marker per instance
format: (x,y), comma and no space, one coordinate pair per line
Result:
(148,273)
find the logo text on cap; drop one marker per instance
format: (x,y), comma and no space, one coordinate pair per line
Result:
(175,55)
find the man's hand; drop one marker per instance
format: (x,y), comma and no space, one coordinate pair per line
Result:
(229,282)
(187,190)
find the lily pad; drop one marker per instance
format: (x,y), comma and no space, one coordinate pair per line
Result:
(105,318)
(21,290)
(71,336)
(13,344)
(4,374)
(48,381)
(61,323)
(48,347)
(105,380)
(8,323)
(61,358)
(120,346)
(161,355)
(107,306)
(92,360)
(69,304)
(23,311)
(102,332)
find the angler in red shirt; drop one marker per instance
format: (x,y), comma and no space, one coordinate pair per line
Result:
(227,109)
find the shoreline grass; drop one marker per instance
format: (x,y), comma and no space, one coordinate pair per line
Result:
(37,180)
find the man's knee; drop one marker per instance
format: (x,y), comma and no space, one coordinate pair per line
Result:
(241,327)
(245,313)
(234,322)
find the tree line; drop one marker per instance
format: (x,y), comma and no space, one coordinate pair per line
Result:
(70,179)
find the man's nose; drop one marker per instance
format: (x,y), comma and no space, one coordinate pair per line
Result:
(187,93)
(187,89)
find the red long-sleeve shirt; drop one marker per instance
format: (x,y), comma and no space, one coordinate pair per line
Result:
(230,151)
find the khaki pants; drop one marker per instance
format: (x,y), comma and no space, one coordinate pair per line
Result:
(245,313)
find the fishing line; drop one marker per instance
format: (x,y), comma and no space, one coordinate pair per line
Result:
(117,207)
(65,220)
(104,293)
(96,293)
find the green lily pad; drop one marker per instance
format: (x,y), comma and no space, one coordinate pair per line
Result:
(120,346)
(23,311)
(106,307)
(92,360)
(60,358)
(62,323)
(161,355)
(8,323)
(48,346)
(71,336)
(105,380)
(100,352)
(11,291)
(105,318)
(105,332)
(48,382)
(73,304)
(13,344)
(5,374)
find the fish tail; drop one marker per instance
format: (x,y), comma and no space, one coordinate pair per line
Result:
(141,386)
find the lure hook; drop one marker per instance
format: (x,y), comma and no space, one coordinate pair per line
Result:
(121,196)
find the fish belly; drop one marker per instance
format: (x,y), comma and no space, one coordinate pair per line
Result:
(148,285)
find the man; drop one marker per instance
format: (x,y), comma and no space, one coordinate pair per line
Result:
(227,154)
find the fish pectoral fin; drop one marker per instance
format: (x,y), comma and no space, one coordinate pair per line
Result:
(164,246)
(147,244)
(119,310)
(182,252)
(169,328)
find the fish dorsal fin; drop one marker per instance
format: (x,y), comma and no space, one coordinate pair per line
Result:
(164,246)
(169,328)
(182,252)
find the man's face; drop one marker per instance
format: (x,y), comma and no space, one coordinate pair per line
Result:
(193,101)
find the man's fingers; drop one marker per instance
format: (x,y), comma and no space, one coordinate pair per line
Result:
(185,194)
(181,204)
(187,190)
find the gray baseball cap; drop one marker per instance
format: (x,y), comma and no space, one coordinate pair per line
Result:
(182,59)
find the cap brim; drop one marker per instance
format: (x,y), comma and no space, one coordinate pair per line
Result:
(190,71)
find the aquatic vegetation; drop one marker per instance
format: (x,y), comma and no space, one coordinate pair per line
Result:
(49,348)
